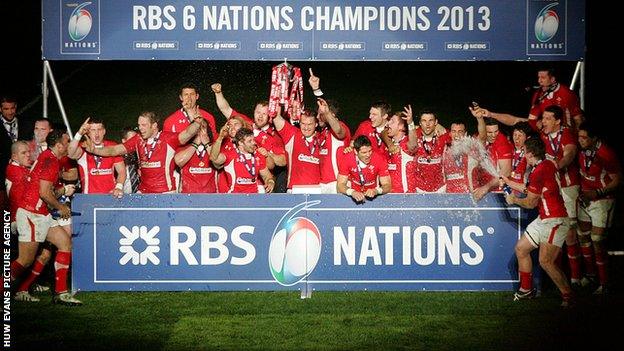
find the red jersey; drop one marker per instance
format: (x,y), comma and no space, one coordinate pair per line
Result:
(179,120)
(198,174)
(401,169)
(595,165)
(429,153)
(561,96)
(518,166)
(500,149)
(97,173)
(460,172)
(268,138)
(242,171)
(156,162)
(16,176)
(543,182)
(555,143)
(328,152)
(36,149)
(226,146)
(303,157)
(47,167)
(363,176)
(265,137)
(374,135)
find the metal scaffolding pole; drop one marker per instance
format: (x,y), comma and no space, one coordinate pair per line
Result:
(44,91)
(48,69)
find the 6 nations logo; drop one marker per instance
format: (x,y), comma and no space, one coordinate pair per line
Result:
(295,247)
(80,27)
(546,27)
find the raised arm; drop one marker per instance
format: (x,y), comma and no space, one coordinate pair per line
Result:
(412,138)
(222,103)
(216,157)
(482,136)
(315,84)
(330,118)
(504,118)
(106,151)
(278,121)
(74,151)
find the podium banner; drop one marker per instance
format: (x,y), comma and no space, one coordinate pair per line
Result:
(283,241)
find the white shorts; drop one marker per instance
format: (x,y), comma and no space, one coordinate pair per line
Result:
(60,222)
(570,196)
(329,188)
(599,213)
(549,230)
(32,227)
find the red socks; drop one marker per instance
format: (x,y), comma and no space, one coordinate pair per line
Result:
(61,266)
(34,274)
(588,258)
(526,281)
(601,264)
(575,263)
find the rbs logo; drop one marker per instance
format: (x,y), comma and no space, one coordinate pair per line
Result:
(127,245)
(211,245)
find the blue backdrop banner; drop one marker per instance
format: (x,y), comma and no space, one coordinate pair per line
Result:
(314,30)
(280,241)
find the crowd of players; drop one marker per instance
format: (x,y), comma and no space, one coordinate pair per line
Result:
(554,161)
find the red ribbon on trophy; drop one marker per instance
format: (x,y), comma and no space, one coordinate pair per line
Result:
(286,88)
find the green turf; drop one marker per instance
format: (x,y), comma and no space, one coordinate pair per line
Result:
(328,321)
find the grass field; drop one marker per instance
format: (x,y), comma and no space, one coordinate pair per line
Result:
(328,321)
